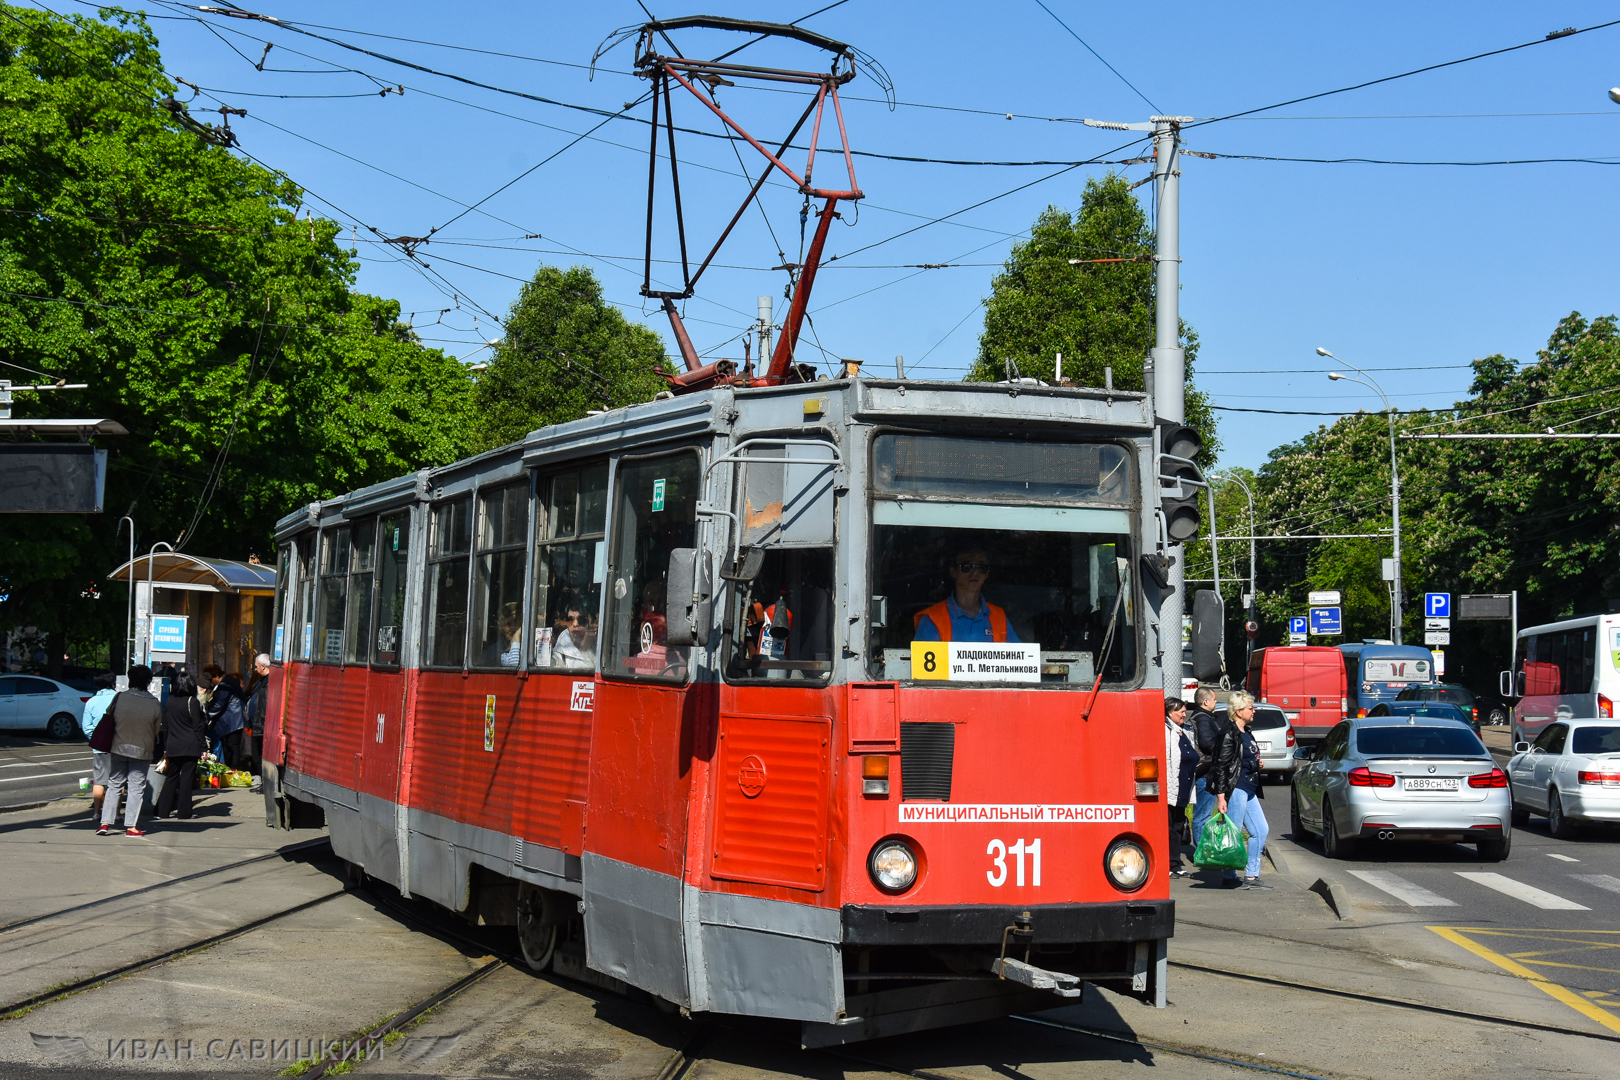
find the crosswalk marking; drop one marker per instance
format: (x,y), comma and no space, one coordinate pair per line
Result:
(1520,891)
(1561,858)
(1602,881)
(1401,889)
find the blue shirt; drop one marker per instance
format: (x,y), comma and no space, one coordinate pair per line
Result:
(95,709)
(963,627)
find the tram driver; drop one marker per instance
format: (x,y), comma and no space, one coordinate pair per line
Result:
(965,615)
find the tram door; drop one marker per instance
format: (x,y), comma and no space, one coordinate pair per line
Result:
(649,716)
(378,641)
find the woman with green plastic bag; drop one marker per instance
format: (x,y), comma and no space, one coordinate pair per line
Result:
(1234,780)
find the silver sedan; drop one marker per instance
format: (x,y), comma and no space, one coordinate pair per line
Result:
(1571,773)
(1402,778)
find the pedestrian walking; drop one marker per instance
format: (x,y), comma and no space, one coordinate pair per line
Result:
(1204,723)
(100,760)
(1234,778)
(186,738)
(227,707)
(257,707)
(137,718)
(1180,762)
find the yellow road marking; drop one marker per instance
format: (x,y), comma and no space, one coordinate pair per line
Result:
(1575,967)
(1586,1008)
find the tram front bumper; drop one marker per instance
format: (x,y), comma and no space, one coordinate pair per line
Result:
(983,924)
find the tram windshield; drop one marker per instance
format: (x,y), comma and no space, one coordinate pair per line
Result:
(1024,545)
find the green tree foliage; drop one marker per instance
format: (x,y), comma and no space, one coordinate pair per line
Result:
(1538,516)
(566,351)
(139,255)
(1097,314)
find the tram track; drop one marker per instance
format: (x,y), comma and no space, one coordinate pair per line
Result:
(14,1009)
(279,853)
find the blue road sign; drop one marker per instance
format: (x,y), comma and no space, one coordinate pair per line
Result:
(1437,605)
(1326,621)
(1296,624)
(169,634)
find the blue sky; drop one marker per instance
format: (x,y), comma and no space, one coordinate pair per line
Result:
(1411,268)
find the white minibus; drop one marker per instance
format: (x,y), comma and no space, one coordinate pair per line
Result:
(1564,670)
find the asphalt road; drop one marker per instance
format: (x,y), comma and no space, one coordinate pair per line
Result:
(34,768)
(1546,912)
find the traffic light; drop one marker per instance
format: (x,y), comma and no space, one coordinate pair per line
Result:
(1208,636)
(1180,480)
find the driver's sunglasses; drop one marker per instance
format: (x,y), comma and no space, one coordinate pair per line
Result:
(973,567)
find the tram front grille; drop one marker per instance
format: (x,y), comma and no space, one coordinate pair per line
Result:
(927,754)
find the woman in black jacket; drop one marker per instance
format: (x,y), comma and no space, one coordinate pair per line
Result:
(1234,780)
(186,727)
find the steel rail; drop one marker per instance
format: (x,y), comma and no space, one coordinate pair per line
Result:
(17,1008)
(304,846)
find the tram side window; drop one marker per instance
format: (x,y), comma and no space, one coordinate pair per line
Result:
(655,512)
(393,559)
(362,561)
(569,558)
(503,532)
(782,621)
(304,643)
(334,588)
(447,583)
(284,571)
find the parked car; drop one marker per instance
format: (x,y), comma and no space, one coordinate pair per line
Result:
(1454,693)
(32,702)
(1306,681)
(1571,773)
(1438,709)
(1402,778)
(1274,736)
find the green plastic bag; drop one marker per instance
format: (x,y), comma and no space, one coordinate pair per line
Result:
(1222,845)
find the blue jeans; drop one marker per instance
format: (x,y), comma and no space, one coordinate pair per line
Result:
(1203,810)
(1246,810)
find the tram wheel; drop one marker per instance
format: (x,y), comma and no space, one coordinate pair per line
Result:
(537,938)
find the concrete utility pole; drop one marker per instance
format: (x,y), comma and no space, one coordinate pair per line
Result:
(1169,360)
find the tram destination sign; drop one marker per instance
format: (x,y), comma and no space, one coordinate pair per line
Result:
(976,661)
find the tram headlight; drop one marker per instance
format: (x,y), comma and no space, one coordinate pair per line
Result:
(893,866)
(1127,864)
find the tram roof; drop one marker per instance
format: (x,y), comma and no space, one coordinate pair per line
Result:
(971,404)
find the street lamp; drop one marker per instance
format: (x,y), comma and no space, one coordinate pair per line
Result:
(1614,95)
(1395,596)
(1253,591)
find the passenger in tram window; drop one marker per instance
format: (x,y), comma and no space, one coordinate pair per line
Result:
(574,645)
(965,615)
(504,650)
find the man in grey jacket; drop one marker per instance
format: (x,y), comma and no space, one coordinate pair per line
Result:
(137,716)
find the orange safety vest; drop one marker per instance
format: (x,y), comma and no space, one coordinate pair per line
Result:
(940,616)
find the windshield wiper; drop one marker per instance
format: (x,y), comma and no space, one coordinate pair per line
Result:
(1108,640)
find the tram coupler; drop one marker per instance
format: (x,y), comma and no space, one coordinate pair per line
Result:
(1060,983)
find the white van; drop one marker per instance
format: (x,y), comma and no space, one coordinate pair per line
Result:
(1564,670)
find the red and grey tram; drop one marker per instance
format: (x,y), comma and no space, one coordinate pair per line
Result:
(837,701)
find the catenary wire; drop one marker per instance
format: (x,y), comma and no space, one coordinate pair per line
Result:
(1041,4)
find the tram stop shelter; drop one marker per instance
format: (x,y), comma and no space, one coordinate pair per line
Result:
(227,605)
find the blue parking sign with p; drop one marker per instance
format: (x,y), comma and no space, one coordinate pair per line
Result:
(1297,624)
(1437,605)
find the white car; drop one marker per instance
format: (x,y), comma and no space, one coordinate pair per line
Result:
(30,702)
(1571,773)
(1274,738)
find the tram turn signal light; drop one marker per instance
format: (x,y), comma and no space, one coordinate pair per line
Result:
(875,774)
(1147,777)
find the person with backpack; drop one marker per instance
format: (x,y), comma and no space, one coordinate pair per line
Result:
(100,760)
(186,738)
(129,733)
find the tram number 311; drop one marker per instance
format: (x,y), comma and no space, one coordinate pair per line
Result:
(998,852)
